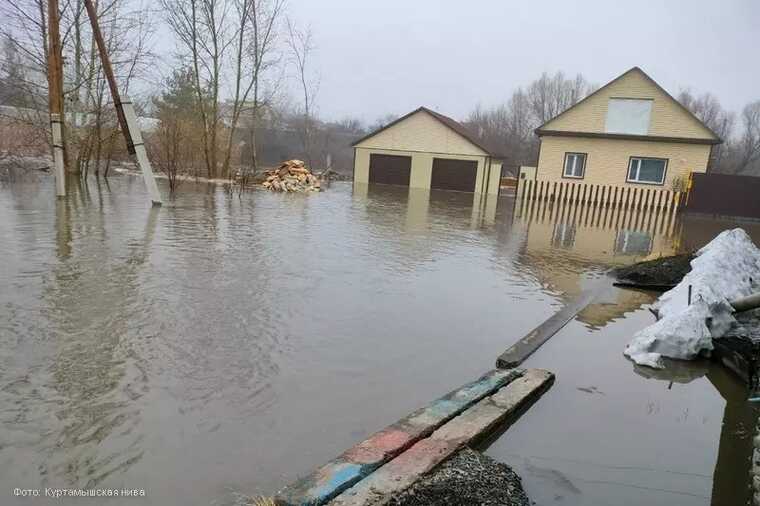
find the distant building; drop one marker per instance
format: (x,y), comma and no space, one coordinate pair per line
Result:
(427,150)
(630,132)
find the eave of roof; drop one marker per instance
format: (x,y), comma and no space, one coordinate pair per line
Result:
(717,139)
(451,123)
(646,138)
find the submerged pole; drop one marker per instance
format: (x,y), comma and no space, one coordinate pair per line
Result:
(142,156)
(58,165)
(55,97)
(125,112)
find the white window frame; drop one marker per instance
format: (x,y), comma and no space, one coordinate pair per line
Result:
(639,159)
(575,157)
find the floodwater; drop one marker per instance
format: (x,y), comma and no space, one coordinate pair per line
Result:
(221,346)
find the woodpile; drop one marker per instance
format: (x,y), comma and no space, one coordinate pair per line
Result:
(291,176)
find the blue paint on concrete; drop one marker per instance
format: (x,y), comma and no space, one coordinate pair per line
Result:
(444,408)
(337,476)
(480,388)
(346,475)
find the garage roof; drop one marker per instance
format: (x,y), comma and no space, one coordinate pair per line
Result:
(449,122)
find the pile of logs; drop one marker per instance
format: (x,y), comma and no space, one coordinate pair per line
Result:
(291,176)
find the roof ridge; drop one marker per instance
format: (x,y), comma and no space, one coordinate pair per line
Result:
(649,78)
(451,123)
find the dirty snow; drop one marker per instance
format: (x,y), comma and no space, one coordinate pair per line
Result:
(725,269)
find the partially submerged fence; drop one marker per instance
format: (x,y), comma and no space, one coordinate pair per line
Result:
(632,197)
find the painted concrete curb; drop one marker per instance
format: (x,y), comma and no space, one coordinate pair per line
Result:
(477,422)
(359,461)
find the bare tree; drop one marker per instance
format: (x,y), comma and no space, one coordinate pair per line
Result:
(382,121)
(747,149)
(301,45)
(24,31)
(202,28)
(508,128)
(127,30)
(90,128)
(708,109)
(175,146)
(550,95)
(254,49)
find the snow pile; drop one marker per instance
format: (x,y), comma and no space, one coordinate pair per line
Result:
(726,269)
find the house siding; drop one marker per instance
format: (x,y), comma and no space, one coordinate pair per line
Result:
(422,168)
(607,159)
(668,118)
(422,137)
(422,132)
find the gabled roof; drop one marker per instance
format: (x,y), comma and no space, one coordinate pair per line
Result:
(541,130)
(449,122)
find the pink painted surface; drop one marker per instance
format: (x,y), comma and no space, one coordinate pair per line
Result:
(379,446)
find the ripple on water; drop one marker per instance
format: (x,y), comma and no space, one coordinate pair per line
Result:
(223,342)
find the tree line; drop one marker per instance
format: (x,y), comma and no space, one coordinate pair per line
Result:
(508,128)
(231,60)
(243,93)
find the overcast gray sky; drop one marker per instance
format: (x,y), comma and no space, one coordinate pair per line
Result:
(392,56)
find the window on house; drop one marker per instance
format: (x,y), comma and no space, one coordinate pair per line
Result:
(575,165)
(628,116)
(647,170)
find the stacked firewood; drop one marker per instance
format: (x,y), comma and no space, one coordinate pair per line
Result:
(291,176)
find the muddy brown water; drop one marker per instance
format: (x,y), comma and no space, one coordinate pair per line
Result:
(222,346)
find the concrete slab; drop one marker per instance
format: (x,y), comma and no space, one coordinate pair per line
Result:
(399,473)
(474,423)
(521,389)
(359,461)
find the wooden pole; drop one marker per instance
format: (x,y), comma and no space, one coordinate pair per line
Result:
(55,97)
(108,71)
(124,110)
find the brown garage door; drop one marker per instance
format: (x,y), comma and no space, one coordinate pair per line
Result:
(390,169)
(457,175)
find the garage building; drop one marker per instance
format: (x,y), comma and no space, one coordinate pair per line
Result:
(427,150)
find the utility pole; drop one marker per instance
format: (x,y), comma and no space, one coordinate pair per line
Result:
(55,97)
(125,111)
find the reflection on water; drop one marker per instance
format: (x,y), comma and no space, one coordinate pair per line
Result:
(565,239)
(221,345)
(603,435)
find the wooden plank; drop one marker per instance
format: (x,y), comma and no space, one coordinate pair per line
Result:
(528,344)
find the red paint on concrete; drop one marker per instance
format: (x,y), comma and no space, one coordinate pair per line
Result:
(380,446)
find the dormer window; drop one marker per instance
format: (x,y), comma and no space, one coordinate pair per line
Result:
(628,116)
